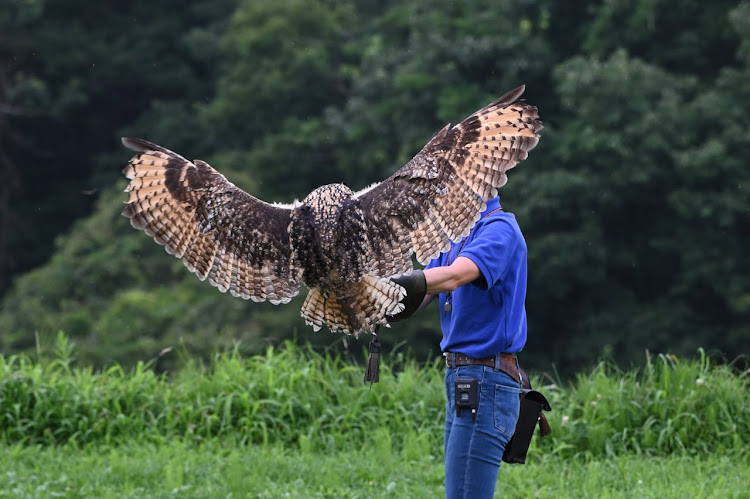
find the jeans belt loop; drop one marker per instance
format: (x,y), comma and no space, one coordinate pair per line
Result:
(497,362)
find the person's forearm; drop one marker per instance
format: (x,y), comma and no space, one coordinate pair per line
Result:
(426,301)
(442,279)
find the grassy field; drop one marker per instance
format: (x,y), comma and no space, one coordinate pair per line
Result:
(223,469)
(294,423)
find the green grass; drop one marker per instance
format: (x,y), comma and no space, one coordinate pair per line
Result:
(301,399)
(291,396)
(219,468)
(301,423)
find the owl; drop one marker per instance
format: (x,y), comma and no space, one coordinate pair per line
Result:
(343,245)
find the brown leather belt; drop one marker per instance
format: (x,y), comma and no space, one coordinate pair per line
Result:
(507,362)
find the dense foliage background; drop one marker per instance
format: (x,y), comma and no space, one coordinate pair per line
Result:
(635,205)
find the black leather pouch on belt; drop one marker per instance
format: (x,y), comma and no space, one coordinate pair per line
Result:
(530,414)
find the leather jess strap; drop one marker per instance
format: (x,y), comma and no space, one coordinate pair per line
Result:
(507,362)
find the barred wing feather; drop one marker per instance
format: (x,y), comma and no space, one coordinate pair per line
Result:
(438,196)
(220,232)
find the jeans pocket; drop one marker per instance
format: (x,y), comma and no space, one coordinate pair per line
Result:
(507,405)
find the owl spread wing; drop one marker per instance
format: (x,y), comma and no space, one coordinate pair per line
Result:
(219,231)
(438,196)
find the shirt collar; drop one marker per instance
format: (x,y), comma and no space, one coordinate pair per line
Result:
(492,204)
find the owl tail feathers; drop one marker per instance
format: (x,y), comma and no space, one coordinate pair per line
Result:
(362,309)
(323,308)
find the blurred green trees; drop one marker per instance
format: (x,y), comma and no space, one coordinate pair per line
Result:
(635,205)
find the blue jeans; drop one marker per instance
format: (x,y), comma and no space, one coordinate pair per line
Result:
(474,449)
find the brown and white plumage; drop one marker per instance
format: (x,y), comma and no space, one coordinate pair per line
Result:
(343,245)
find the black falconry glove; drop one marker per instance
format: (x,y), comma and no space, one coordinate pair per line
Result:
(415,285)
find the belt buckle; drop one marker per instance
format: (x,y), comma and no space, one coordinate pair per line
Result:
(450,359)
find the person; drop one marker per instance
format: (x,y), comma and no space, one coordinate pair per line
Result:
(481,288)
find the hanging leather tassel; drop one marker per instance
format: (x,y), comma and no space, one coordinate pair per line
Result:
(372,373)
(544,427)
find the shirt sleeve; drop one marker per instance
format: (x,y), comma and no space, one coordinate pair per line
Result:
(492,250)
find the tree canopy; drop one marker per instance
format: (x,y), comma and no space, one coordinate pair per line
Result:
(635,205)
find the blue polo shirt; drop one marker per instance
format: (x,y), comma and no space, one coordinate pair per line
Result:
(487,316)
